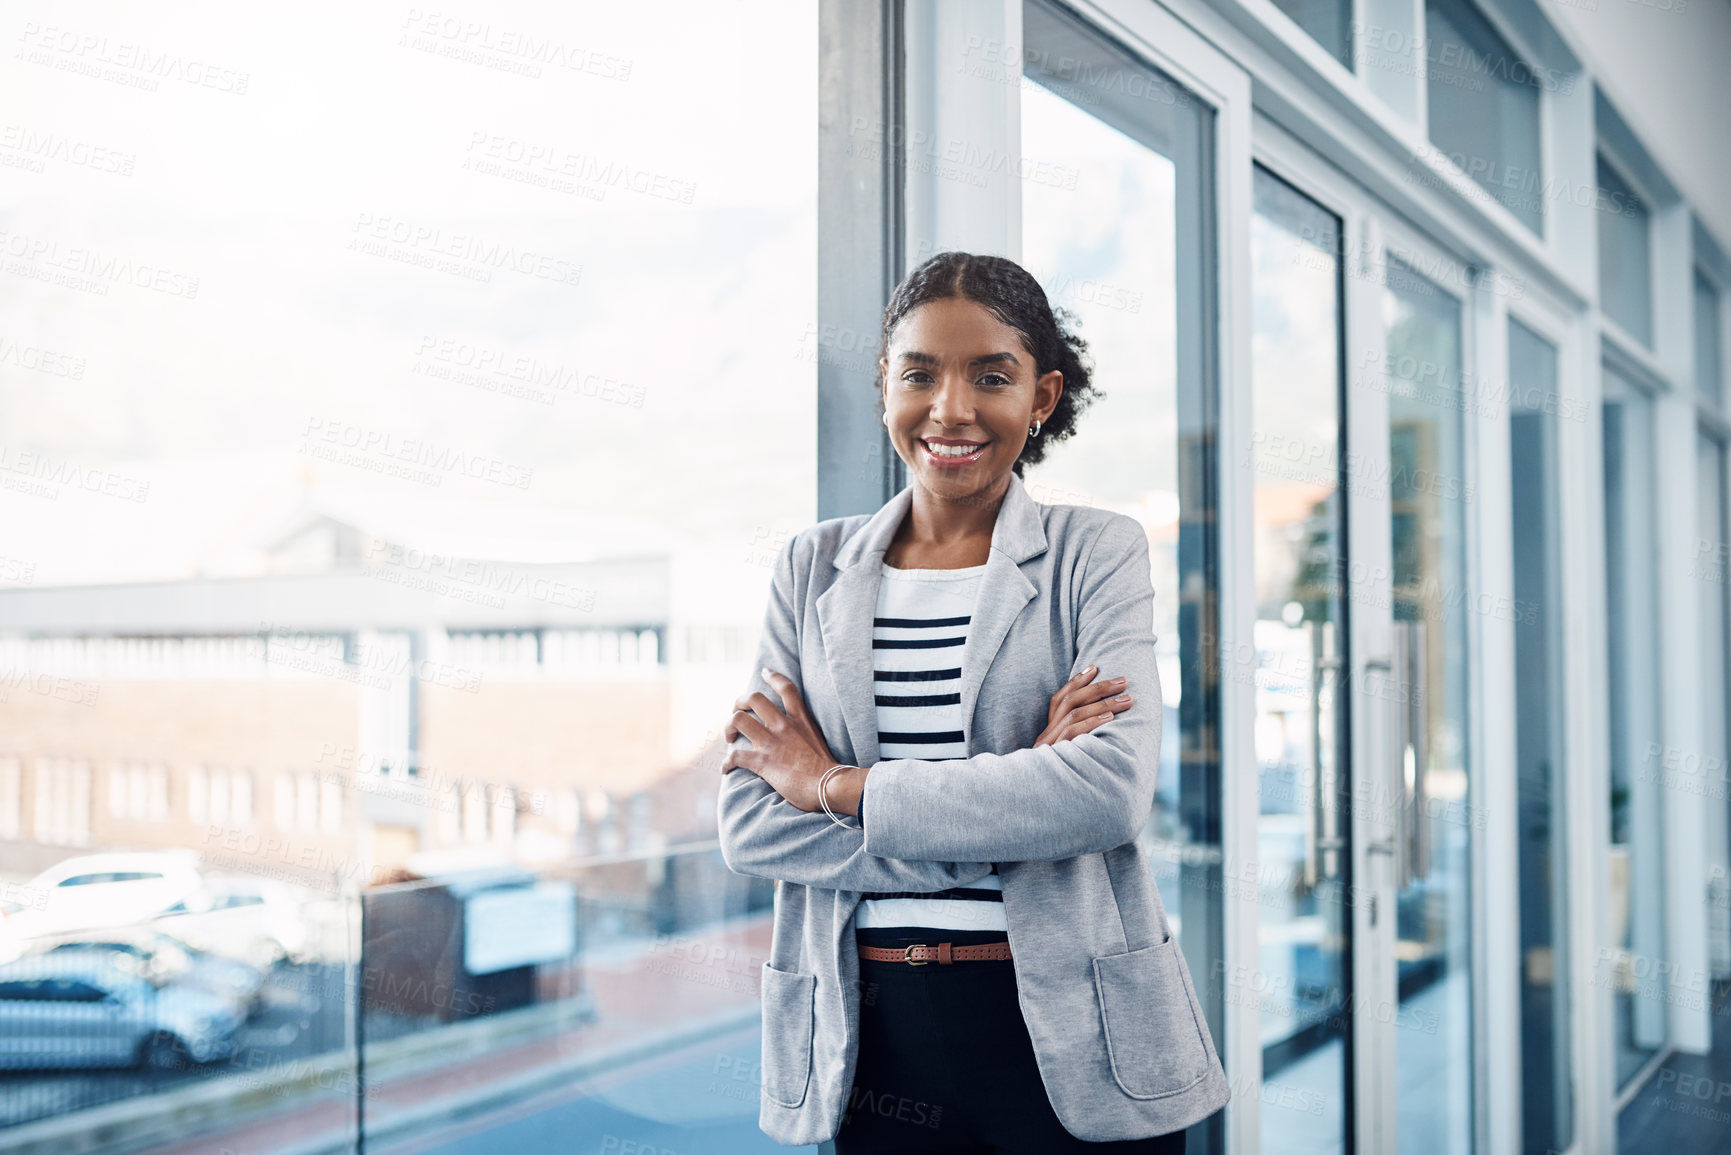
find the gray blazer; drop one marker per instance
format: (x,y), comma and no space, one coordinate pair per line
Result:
(1120,1038)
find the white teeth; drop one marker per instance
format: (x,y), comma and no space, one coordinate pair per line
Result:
(953,450)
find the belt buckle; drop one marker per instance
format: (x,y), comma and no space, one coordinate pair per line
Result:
(907,955)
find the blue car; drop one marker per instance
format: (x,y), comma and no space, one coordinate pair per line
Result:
(79,1008)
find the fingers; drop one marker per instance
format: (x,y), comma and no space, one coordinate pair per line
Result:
(743,723)
(791,700)
(1081,677)
(1072,695)
(799,718)
(757,717)
(757,701)
(1084,726)
(1083,695)
(1088,717)
(1106,708)
(737,759)
(1100,690)
(1077,680)
(751,727)
(1083,718)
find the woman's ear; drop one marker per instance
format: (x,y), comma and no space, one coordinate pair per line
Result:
(1047,390)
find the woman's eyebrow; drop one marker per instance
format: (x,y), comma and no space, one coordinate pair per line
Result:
(983,359)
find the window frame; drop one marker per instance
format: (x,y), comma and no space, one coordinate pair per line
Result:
(1628,343)
(1522,50)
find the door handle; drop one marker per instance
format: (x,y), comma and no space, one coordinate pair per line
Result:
(1389,762)
(1418,733)
(1410,754)
(1322,826)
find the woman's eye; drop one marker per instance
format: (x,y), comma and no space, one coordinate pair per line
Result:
(995,380)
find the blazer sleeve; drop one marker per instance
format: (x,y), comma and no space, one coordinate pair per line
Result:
(763,834)
(1083,795)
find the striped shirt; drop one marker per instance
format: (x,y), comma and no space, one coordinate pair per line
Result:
(919,634)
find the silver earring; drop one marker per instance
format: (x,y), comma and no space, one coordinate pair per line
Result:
(1034,429)
(886,420)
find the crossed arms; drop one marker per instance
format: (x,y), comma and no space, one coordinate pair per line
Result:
(941,824)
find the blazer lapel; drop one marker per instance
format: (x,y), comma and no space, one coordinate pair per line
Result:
(845,610)
(844,615)
(1004,591)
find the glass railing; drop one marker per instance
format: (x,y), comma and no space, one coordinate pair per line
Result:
(610,1003)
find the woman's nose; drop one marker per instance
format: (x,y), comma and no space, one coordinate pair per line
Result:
(953,405)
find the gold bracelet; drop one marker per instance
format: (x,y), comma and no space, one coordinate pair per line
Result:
(822,785)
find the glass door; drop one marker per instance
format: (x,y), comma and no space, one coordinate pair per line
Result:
(1636,956)
(1299,502)
(1117,226)
(1541,754)
(1096,149)
(1411,785)
(1367,811)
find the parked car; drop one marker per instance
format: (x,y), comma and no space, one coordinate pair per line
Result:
(163,958)
(79,1008)
(96,890)
(257,920)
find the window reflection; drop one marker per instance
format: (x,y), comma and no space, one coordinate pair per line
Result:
(1430,804)
(1709,340)
(1483,106)
(1128,251)
(1625,253)
(1637,909)
(430,396)
(1300,554)
(1541,771)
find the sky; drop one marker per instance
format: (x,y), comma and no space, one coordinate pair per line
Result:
(374,256)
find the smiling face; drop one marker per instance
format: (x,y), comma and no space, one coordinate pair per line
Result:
(960,391)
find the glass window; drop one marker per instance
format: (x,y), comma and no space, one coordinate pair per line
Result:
(1329,22)
(1428,495)
(1636,918)
(1547,1084)
(490,325)
(1389,52)
(1128,251)
(1625,254)
(1709,340)
(1295,464)
(1484,107)
(1708,570)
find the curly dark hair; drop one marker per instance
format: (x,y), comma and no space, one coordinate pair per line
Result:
(1015,298)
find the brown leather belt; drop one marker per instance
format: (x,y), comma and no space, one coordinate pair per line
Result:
(919,954)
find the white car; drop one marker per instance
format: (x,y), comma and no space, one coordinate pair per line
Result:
(88,891)
(259,921)
(163,959)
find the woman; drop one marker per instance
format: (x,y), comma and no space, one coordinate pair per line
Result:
(918,806)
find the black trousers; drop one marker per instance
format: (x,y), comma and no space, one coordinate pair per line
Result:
(946,1064)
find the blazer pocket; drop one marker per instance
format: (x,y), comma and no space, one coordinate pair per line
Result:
(789,1010)
(1153,1037)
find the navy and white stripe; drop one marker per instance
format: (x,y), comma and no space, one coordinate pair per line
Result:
(919,634)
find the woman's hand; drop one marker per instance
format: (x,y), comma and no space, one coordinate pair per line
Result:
(787,749)
(1078,707)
